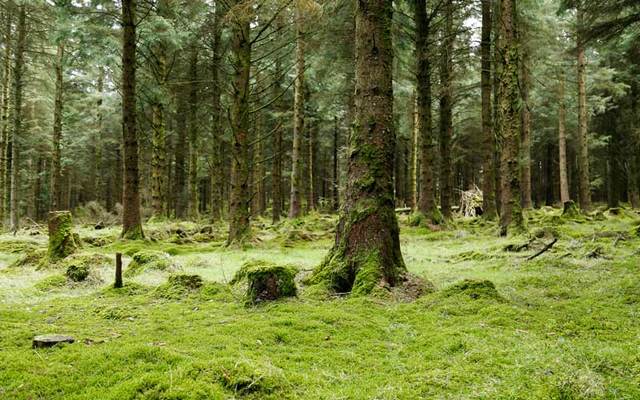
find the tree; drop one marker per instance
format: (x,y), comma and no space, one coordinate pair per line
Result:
(4,128)
(584,188)
(562,143)
(446,109)
(366,252)
(295,206)
(509,103)
(56,173)
(131,221)
(489,145)
(216,110)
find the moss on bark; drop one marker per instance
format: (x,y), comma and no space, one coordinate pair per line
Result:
(62,241)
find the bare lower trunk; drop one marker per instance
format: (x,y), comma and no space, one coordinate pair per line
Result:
(295,207)
(446,112)
(525,133)
(488,137)
(562,144)
(584,190)
(193,134)
(366,253)
(335,177)
(131,220)
(4,129)
(216,126)
(56,173)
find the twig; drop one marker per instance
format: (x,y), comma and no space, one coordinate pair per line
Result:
(545,248)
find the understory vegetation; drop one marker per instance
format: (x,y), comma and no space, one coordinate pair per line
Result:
(503,319)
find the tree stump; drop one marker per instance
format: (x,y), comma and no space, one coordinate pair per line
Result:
(62,241)
(43,341)
(266,281)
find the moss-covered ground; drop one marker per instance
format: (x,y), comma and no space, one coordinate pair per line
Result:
(564,325)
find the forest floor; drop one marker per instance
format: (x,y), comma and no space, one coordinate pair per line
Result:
(561,326)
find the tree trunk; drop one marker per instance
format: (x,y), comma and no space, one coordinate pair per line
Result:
(216,110)
(366,253)
(584,195)
(159,135)
(4,130)
(562,144)
(413,162)
(509,104)
(276,166)
(239,227)
(446,112)
(56,173)
(131,220)
(311,194)
(488,137)
(335,177)
(525,129)
(295,207)
(193,134)
(18,70)
(427,201)
(634,161)
(180,180)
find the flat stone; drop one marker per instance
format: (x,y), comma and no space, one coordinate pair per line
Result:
(50,340)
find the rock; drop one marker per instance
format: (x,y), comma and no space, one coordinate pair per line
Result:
(43,341)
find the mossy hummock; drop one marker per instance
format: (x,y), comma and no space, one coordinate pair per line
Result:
(62,240)
(149,260)
(266,281)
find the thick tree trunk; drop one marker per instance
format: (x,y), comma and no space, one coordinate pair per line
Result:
(488,136)
(180,180)
(16,133)
(193,133)
(509,104)
(216,110)
(239,227)
(4,129)
(584,195)
(427,201)
(56,173)
(446,112)
(366,253)
(131,220)
(634,162)
(295,206)
(525,130)
(562,143)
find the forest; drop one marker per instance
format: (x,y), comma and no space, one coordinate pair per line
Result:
(319,199)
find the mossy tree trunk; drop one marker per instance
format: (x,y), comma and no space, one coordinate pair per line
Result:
(193,132)
(16,133)
(412,195)
(4,129)
(56,173)
(509,104)
(62,241)
(276,164)
(239,227)
(634,161)
(335,181)
(295,202)
(180,174)
(131,220)
(525,124)
(366,252)
(427,201)
(562,143)
(488,136)
(216,110)
(584,190)
(446,109)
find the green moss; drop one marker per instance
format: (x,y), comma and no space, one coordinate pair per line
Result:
(179,286)
(135,233)
(369,275)
(266,281)
(77,273)
(52,282)
(150,260)
(62,241)
(18,246)
(37,258)
(245,378)
(570,210)
(474,289)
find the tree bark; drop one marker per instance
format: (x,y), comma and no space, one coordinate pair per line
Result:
(276,166)
(335,205)
(562,143)
(180,180)
(56,173)
(525,128)
(634,161)
(509,104)
(584,195)
(239,227)
(427,202)
(446,112)
(216,110)
(193,133)
(488,137)
(366,253)
(159,135)
(16,133)
(131,220)
(295,206)
(4,130)
(412,196)
(311,194)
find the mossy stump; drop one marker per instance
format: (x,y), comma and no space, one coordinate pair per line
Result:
(570,209)
(266,281)
(62,240)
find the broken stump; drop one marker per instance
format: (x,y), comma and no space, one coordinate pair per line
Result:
(44,341)
(62,241)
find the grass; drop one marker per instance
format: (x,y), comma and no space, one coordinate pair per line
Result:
(562,326)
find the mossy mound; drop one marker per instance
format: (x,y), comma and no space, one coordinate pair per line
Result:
(77,273)
(249,379)
(51,283)
(83,267)
(18,246)
(266,281)
(36,258)
(145,260)
(472,256)
(570,210)
(178,286)
(474,289)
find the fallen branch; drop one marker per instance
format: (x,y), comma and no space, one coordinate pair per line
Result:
(544,249)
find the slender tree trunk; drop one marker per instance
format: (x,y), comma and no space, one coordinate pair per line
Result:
(193,134)
(295,207)
(311,200)
(427,203)
(634,162)
(18,70)
(216,125)
(336,178)
(4,129)
(562,144)
(181,159)
(446,112)
(488,137)
(509,104)
(159,136)
(366,253)
(56,173)
(525,129)
(412,196)
(239,227)
(131,220)
(276,166)
(582,137)
(96,142)
(258,195)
